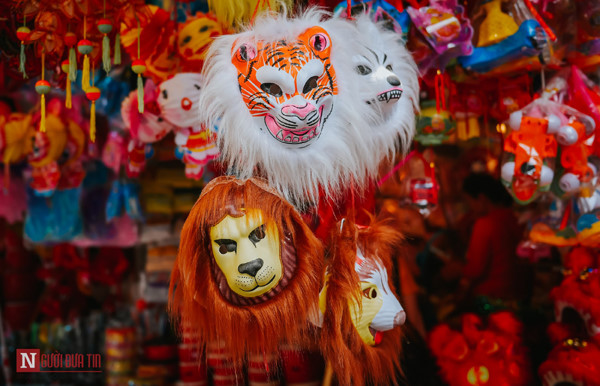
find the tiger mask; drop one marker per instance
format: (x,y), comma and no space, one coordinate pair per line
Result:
(284,96)
(288,86)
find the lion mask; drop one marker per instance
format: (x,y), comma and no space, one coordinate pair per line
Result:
(248,271)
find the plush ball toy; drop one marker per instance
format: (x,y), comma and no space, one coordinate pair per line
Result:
(285,98)
(248,271)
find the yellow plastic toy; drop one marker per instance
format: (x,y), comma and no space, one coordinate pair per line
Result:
(496,26)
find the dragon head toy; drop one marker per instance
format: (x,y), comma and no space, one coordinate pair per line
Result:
(482,354)
(580,290)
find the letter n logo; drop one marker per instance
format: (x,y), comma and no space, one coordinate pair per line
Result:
(28,360)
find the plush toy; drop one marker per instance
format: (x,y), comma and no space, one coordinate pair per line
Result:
(359,311)
(178,98)
(248,271)
(288,105)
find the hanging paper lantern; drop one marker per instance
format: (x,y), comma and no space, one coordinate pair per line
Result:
(85,48)
(92,93)
(105,27)
(23,34)
(138,66)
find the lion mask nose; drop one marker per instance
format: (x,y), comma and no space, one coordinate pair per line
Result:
(251,267)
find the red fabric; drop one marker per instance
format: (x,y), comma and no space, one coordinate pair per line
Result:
(492,263)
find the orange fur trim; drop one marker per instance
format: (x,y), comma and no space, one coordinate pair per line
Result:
(195,299)
(353,361)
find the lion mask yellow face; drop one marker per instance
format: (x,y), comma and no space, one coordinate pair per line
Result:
(247,251)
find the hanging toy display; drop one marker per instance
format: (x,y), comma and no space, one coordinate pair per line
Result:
(229,295)
(530,149)
(287,106)
(360,314)
(446,30)
(434,124)
(502,37)
(379,11)
(200,148)
(467,105)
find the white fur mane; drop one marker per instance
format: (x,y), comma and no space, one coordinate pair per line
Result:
(339,158)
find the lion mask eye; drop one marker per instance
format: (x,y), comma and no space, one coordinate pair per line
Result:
(226,246)
(257,234)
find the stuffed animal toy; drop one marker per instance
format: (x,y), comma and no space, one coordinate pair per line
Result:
(285,98)
(178,97)
(248,271)
(359,312)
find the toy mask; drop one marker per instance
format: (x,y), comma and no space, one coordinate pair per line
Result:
(246,250)
(389,85)
(194,38)
(379,309)
(248,269)
(358,304)
(178,99)
(288,86)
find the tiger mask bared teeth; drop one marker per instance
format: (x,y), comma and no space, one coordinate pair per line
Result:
(285,98)
(288,87)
